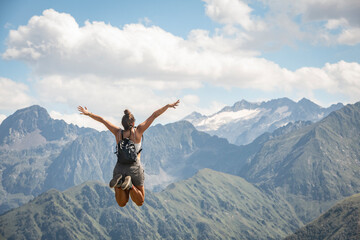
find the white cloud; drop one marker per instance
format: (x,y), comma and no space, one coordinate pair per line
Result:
(349,36)
(280,22)
(79,120)
(190,99)
(233,12)
(336,23)
(341,77)
(314,10)
(213,107)
(319,17)
(13,95)
(144,67)
(2,118)
(102,97)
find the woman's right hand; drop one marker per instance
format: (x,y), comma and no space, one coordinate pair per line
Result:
(83,111)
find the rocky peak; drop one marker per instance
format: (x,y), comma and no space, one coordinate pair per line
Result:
(35,123)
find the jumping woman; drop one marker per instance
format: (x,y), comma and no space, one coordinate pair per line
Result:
(128,179)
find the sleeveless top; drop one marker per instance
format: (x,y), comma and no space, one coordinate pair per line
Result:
(137,145)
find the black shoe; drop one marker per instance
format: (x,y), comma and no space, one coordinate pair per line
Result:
(127,184)
(115,181)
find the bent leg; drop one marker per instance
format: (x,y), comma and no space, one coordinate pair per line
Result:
(122,196)
(137,194)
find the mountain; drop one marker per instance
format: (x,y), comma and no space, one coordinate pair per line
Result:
(312,167)
(72,155)
(245,121)
(210,205)
(177,151)
(29,142)
(32,127)
(342,221)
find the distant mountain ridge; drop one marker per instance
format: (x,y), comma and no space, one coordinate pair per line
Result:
(31,127)
(245,121)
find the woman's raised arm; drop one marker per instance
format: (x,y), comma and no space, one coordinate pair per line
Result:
(114,129)
(146,124)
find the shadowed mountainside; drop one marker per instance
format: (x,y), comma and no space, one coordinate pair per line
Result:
(342,221)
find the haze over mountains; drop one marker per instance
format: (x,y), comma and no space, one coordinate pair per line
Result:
(301,169)
(245,121)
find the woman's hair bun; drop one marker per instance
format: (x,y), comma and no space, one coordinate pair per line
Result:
(127,112)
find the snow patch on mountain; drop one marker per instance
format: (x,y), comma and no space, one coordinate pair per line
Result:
(245,121)
(216,121)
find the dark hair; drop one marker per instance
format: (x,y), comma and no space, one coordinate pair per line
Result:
(128,120)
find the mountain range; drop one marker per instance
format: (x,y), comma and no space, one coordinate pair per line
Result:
(210,205)
(245,121)
(305,166)
(314,166)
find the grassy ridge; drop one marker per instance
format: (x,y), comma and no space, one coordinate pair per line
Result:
(342,221)
(211,205)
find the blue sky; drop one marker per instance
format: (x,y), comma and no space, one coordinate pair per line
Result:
(111,55)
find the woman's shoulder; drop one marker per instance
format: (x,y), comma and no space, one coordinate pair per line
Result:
(138,135)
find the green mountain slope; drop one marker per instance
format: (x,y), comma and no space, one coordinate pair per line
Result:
(210,205)
(314,166)
(342,221)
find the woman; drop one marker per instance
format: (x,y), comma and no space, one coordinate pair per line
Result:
(128,179)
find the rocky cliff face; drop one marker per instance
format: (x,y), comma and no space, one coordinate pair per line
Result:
(31,127)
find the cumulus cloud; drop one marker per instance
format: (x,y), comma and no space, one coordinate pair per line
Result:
(13,95)
(144,67)
(81,120)
(340,77)
(320,17)
(331,9)
(233,12)
(285,22)
(105,98)
(349,36)
(2,118)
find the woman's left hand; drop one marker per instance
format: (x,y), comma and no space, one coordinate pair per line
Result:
(175,104)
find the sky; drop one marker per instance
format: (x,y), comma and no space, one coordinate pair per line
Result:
(111,55)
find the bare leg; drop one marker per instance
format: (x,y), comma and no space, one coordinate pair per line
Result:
(122,197)
(137,194)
